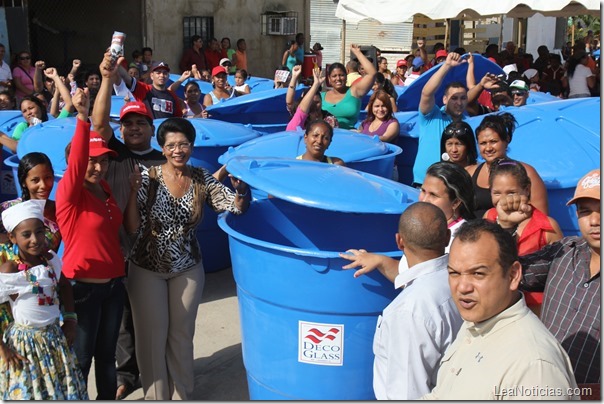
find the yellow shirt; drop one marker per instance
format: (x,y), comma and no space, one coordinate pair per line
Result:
(510,356)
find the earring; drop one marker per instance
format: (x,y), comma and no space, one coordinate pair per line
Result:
(15,250)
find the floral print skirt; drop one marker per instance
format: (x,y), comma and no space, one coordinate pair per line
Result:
(52,373)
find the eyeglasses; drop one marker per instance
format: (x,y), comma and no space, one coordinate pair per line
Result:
(452,131)
(182,146)
(520,93)
(24,57)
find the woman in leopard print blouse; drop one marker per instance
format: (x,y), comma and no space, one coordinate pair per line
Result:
(166,275)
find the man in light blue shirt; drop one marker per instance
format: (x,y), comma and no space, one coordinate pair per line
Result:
(416,328)
(433,120)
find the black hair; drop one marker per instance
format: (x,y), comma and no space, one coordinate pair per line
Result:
(136,53)
(438,46)
(171,125)
(574,61)
(240,41)
(10,96)
(471,231)
(458,183)
(460,50)
(195,38)
(319,122)
(38,103)
(464,133)
(455,84)
(146,49)
(507,166)
(243,73)
(385,85)
(503,124)
(92,73)
(335,66)
(27,162)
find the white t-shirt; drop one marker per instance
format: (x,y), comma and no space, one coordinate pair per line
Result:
(26,309)
(5,74)
(578,82)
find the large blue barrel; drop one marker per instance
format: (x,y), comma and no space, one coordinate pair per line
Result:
(307,326)
(359,151)
(213,138)
(561,139)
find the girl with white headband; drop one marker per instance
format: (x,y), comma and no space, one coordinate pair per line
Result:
(36,357)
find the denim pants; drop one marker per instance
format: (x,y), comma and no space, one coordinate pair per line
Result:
(99,308)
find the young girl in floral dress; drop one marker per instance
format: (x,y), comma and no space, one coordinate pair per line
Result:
(36,358)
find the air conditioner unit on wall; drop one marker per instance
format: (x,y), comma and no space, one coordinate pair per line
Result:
(280,24)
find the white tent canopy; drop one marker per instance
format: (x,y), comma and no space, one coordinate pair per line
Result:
(394,11)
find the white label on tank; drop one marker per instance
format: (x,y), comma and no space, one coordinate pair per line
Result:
(321,344)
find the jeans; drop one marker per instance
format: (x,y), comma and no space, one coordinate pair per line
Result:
(99,308)
(127,368)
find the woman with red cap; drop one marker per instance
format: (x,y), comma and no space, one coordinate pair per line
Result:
(90,219)
(222,90)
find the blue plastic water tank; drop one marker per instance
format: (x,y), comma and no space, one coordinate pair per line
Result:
(307,326)
(359,151)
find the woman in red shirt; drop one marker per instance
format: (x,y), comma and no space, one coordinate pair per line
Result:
(532,228)
(89,219)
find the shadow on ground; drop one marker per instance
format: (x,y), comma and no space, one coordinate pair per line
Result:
(221,376)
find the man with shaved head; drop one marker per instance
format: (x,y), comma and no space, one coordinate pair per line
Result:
(416,328)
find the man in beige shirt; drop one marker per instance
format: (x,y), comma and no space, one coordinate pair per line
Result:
(502,350)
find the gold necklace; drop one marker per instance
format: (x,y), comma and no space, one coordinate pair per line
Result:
(177,180)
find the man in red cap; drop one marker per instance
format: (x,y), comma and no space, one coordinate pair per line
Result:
(569,273)
(137,129)
(161,102)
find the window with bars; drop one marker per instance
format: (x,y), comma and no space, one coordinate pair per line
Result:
(202,26)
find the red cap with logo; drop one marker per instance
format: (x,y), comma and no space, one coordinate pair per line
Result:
(401,62)
(588,187)
(97,146)
(218,70)
(135,107)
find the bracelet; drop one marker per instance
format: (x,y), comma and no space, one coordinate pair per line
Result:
(70,316)
(242,195)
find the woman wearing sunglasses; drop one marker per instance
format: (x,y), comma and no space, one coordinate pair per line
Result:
(23,75)
(457,144)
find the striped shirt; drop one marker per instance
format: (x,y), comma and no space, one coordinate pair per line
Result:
(571,303)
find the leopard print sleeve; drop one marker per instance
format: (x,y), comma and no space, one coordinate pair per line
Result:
(218,196)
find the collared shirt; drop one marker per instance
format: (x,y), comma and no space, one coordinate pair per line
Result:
(571,303)
(414,332)
(509,356)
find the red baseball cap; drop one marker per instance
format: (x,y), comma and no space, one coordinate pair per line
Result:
(441,54)
(217,70)
(97,146)
(401,62)
(135,107)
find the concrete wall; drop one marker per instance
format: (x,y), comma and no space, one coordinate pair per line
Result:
(232,18)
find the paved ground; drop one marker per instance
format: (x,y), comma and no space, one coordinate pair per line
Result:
(219,371)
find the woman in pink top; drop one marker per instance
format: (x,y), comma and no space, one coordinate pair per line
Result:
(23,76)
(90,219)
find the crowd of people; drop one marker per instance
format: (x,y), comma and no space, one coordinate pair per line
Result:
(480,248)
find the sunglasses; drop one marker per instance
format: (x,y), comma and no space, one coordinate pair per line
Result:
(24,57)
(452,131)
(520,93)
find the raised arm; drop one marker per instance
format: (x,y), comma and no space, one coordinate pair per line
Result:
(368,262)
(38,80)
(8,142)
(132,218)
(427,101)
(184,76)
(60,86)
(102,102)
(363,86)
(291,89)
(307,101)
(123,75)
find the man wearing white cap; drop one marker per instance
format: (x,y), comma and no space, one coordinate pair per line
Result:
(569,273)
(519,90)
